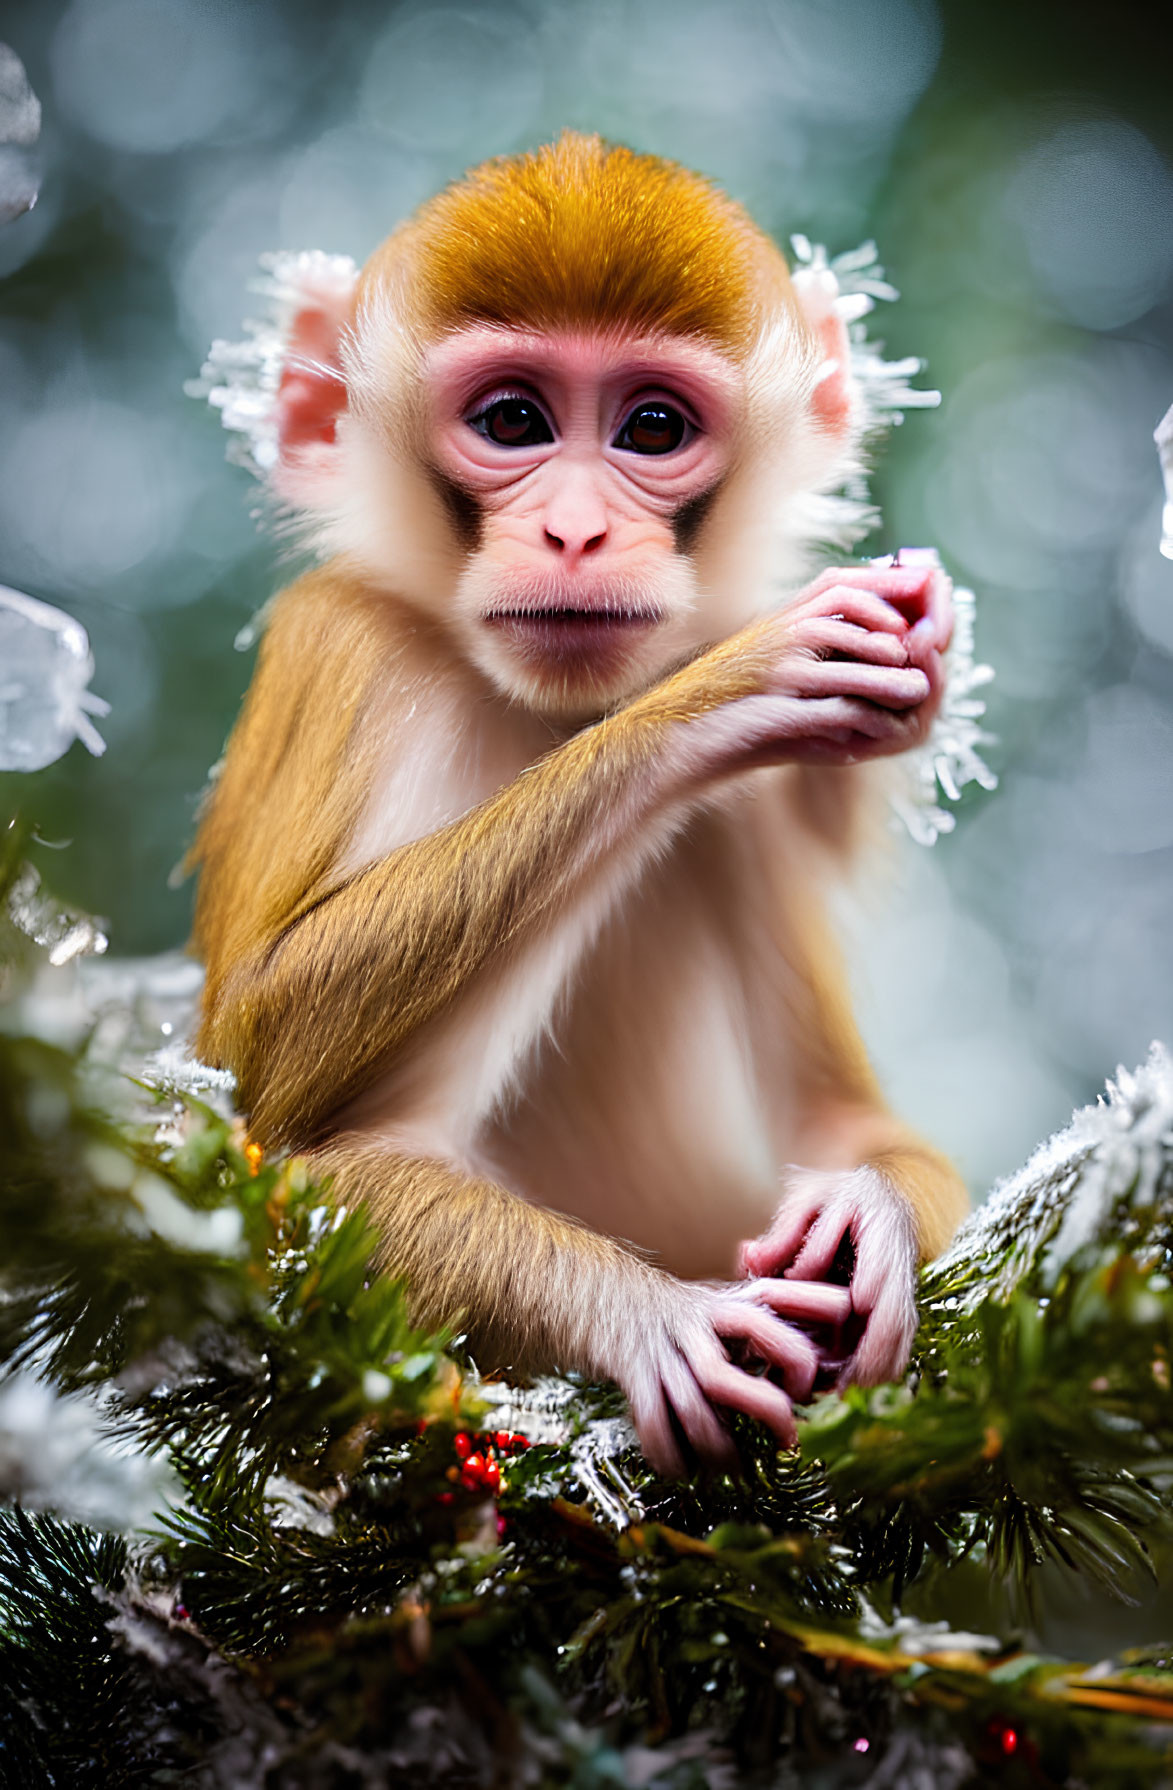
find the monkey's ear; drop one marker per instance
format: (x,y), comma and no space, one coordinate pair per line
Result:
(857,392)
(311,392)
(834,400)
(281,390)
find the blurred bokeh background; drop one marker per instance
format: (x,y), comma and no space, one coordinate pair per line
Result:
(1013,162)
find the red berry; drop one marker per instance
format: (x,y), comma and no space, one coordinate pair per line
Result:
(492,1475)
(462,1445)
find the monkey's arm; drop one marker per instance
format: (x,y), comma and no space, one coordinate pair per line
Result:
(534,1289)
(858,1172)
(311,1009)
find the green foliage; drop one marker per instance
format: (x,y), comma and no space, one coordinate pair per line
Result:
(335,1598)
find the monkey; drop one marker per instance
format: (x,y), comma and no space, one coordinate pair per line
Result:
(512,880)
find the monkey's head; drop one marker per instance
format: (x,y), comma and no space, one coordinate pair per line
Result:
(574,413)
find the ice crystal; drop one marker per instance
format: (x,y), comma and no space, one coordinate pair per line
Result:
(62,932)
(45,665)
(1163,436)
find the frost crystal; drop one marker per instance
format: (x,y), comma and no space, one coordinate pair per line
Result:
(949,760)
(1114,1161)
(45,665)
(550,1411)
(63,1452)
(60,931)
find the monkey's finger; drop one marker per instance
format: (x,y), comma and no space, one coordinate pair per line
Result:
(813,1300)
(769,1252)
(780,1344)
(728,1385)
(657,1438)
(705,1432)
(885,1250)
(822,1242)
(937,613)
(865,607)
(827,635)
(904,586)
(885,1346)
(892,686)
(789,1226)
(857,719)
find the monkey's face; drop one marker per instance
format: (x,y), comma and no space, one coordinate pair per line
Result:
(577,471)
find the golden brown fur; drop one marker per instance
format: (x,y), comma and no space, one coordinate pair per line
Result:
(581,232)
(556,1000)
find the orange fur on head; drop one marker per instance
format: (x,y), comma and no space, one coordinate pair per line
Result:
(581,233)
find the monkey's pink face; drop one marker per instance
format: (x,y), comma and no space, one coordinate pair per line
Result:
(578,469)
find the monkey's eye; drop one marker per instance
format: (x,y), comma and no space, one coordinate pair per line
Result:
(512,422)
(652,429)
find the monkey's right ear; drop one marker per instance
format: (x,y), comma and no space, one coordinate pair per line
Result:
(282,389)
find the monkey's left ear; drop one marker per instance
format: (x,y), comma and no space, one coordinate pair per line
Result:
(821,302)
(857,390)
(282,389)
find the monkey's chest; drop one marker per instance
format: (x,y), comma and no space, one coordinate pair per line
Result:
(658,1109)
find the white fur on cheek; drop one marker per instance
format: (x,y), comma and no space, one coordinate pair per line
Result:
(778,508)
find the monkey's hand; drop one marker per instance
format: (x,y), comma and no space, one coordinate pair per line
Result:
(858,669)
(822,1209)
(678,1373)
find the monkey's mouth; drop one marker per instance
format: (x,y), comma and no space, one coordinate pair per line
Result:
(571,636)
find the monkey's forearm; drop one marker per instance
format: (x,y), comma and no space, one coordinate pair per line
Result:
(929,1183)
(309,1019)
(535,1291)
(531,1289)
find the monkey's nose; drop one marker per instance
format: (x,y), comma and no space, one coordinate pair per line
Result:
(567,543)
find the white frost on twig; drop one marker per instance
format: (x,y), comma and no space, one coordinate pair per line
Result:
(59,1452)
(549,1411)
(1115,1158)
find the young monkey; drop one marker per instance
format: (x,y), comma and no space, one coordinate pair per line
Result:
(510,893)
